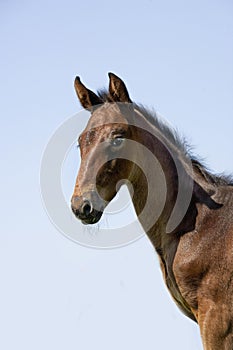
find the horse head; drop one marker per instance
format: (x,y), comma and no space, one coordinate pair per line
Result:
(103,146)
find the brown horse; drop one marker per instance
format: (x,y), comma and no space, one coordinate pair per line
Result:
(189,217)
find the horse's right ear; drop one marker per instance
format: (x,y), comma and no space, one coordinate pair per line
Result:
(87,98)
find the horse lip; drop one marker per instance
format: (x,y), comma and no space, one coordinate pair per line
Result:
(92,219)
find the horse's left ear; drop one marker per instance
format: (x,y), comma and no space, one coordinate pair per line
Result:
(117,89)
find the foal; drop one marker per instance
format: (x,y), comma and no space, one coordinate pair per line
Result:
(189,216)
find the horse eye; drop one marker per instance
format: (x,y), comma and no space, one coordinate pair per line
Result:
(117,142)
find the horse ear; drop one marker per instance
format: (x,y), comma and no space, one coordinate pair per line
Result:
(117,89)
(87,98)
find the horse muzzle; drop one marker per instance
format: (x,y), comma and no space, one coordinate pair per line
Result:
(88,208)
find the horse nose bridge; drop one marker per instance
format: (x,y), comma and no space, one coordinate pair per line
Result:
(90,166)
(82,185)
(77,192)
(86,179)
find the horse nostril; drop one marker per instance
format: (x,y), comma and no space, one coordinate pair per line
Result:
(86,208)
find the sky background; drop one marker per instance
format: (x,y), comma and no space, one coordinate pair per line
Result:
(174,56)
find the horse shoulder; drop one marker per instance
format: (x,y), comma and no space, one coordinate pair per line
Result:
(203,263)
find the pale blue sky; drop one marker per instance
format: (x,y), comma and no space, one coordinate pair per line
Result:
(174,56)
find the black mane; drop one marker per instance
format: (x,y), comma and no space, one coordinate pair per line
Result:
(178,141)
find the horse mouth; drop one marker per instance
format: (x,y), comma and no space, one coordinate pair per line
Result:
(92,219)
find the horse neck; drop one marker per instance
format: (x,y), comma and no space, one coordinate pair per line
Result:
(164,191)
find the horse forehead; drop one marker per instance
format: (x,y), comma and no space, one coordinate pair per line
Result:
(106,114)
